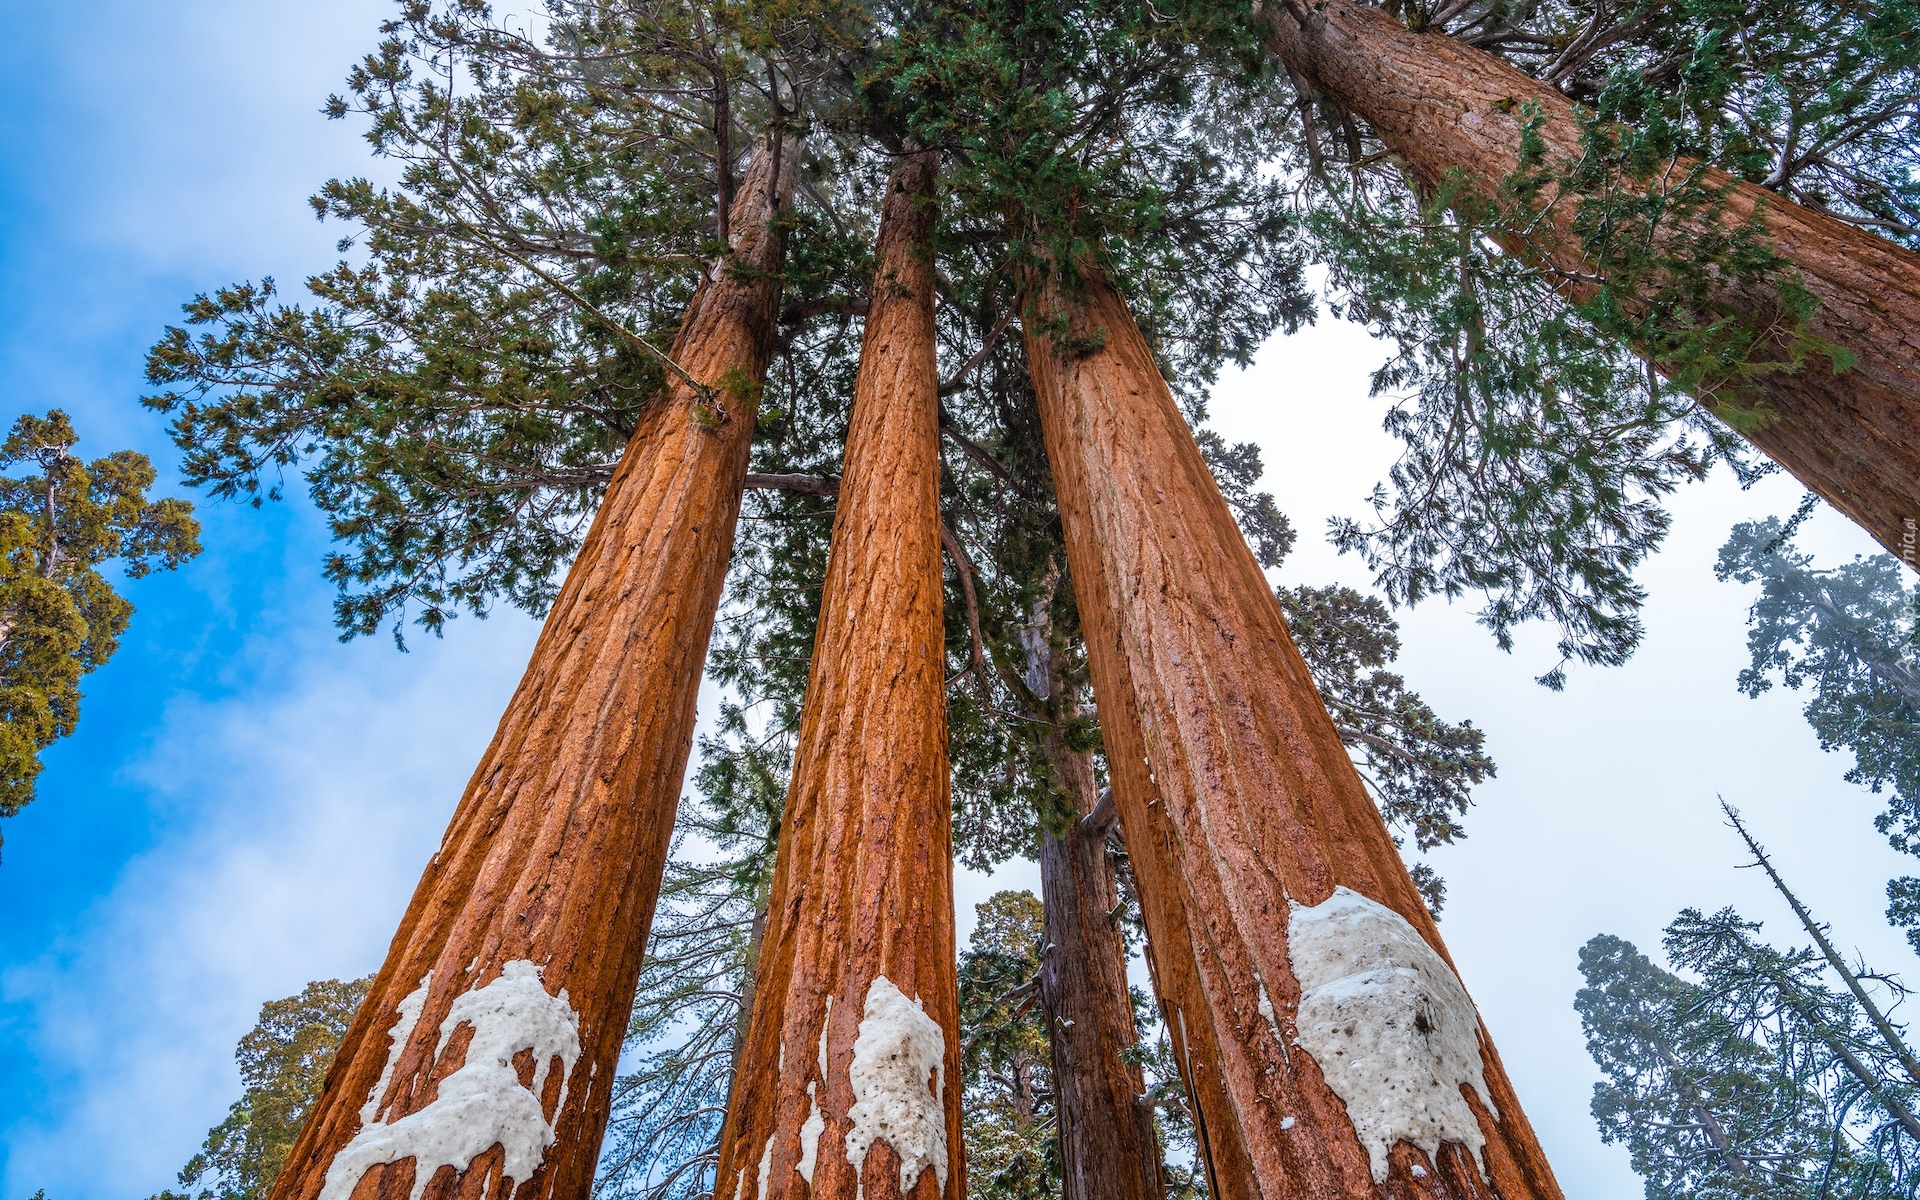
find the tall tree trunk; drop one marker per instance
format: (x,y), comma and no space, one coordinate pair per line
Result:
(1439,104)
(1103,1122)
(1108,1147)
(849,1083)
(1243,815)
(523,941)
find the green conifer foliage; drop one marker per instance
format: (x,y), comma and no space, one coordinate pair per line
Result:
(1539,449)
(1009,1114)
(1703,1108)
(1759,1072)
(1006,1056)
(688,1018)
(1420,768)
(1848,636)
(1814,101)
(1760,1079)
(59,616)
(458,393)
(283,1063)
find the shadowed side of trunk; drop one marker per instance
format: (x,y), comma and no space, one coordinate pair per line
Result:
(1853,437)
(848,1084)
(1239,802)
(1108,1147)
(507,988)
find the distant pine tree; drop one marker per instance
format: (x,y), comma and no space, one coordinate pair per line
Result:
(283,1064)
(663,1138)
(1760,1072)
(1011,1152)
(1848,636)
(59,617)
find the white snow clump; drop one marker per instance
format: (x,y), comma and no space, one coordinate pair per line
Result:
(816,1122)
(408,1011)
(1393,1031)
(897,1046)
(482,1103)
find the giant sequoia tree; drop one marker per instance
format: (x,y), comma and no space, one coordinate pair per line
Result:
(527,926)
(1525,197)
(630,278)
(861,906)
(1795,324)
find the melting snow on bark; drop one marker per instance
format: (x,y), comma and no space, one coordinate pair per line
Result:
(898,1046)
(816,1123)
(401,1033)
(1390,1026)
(482,1103)
(810,1132)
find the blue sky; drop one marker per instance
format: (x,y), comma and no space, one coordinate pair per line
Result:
(248,801)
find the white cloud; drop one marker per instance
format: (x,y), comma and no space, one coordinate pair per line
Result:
(310,803)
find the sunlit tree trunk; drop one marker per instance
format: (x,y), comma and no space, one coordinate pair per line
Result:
(1238,800)
(849,1082)
(1439,104)
(1108,1148)
(528,925)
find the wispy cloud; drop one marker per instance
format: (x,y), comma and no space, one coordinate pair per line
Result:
(309,804)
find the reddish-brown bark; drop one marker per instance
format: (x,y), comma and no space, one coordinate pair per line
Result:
(1108,1148)
(1103,1119)
(556,850)
(1233,789)
(1853,437)
(863,882)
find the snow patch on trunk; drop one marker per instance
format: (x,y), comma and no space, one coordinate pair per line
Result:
(826,1023)
(1393,1031)
(401,1033)
(898,1045)
(482,1103)
(810,1131)
(816,1122)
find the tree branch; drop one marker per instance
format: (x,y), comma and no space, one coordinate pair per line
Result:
(963,566)
(1880,1022)
(810,485)
(958,379)
(1100,822)
(975,450)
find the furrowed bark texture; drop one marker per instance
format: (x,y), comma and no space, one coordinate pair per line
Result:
(1233,789)
(1108,1148)
(1851,437)
(863,882)
(556,850)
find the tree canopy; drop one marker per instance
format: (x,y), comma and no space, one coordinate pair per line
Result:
(1761,1072)
(457,391)
(60,618)
(283,1063)
(1846,635)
